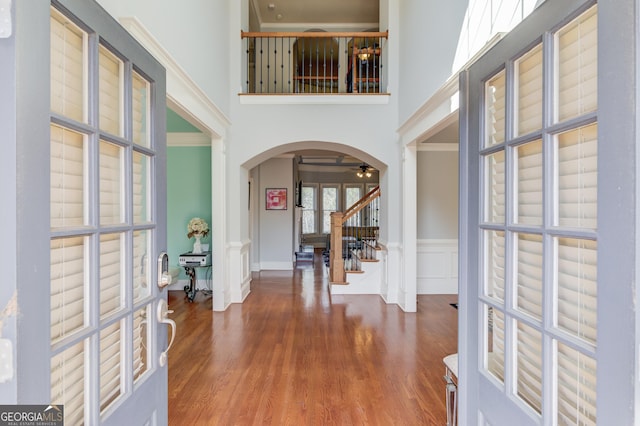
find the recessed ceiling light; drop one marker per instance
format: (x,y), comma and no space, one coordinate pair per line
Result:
(271,6)
(279,16)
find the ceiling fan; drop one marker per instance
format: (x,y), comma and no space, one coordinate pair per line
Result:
(364,170)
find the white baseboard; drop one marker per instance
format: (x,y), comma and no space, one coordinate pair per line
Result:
(276,266)
(437,261)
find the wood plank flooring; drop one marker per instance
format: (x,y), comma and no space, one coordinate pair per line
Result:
(292,354)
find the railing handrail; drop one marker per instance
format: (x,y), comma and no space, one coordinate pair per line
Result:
(337,274)
(361,203)
(313,34)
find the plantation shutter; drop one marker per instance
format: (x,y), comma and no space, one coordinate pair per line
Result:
(577,73)
(67,382)
(68,277)
(68,80)
(496,187)
(68,209)
(140,342)
(110,92)
(539,222)
(495,111)
(529,183)
(68,170)
(111,184)
(576,175)
(529,301)
(140,108)
(111,274)
(529,84)
(110,364)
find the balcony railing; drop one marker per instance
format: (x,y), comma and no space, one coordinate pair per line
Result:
(315,62)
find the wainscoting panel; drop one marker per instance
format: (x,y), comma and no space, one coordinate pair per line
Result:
(437,262)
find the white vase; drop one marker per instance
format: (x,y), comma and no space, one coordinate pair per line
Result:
(197,246)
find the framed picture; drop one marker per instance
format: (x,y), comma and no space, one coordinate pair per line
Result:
(276,198)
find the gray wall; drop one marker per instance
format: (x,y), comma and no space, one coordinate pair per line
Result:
(276,226)
(437,195)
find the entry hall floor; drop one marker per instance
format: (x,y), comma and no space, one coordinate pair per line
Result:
(292,354)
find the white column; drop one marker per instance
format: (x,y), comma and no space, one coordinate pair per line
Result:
(408,298)
(220,284)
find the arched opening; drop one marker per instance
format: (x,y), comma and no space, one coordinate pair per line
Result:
(317,179)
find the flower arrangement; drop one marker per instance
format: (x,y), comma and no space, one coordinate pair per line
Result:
(197,226)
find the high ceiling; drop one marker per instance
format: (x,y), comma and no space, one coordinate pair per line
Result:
(315,13)
(358,15)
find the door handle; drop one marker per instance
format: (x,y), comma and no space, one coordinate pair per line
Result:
(164,278)
(162,314)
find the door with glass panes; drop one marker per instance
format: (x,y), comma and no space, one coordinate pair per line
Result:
(529,242)
(99,343)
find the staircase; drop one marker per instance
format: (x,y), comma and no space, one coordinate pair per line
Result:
(355,256)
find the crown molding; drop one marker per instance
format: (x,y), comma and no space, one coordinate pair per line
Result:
(179,139)
(183,93)
(438,147)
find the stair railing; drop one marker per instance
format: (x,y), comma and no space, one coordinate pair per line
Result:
(353,230)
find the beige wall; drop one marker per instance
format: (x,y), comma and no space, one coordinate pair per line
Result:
(437,195)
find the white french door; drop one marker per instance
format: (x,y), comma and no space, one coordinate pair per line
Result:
(529,205)
(99,343)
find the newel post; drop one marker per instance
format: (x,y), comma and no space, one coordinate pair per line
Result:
(336,263)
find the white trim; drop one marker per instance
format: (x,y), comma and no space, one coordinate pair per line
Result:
(187,139)
(449,120)
(239,270)
(183,95)
(442,95)
(419,126)
(438,147)
(437,271)
(320,99)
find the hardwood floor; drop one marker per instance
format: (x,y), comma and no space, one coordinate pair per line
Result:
(292,354)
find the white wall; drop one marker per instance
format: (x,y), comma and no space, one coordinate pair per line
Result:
(195,36)
(276,226)
(428,39)
(438,38)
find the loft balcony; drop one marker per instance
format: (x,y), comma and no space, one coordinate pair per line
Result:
(315,63)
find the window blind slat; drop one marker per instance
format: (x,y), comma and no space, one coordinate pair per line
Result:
(111,181)
(111,273)
(529,366)
(529,274)
(577,66)
(140,351)
(110,365)
(67,288)
(576,387)
(140,106)
(67,179)
(110,91)
(67,65)
(577,177)
(529,183)
(67,383)
(495,109)
(529,96)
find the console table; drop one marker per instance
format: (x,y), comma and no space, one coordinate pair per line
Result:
(191,289)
